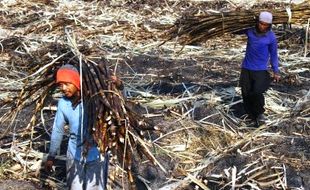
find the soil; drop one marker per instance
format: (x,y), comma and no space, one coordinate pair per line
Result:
(170,76)
(201,73)
(167,78)
(17,185)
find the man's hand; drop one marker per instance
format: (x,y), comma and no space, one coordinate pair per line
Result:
(276,77)
(119,84)
(49,166)
(114,78)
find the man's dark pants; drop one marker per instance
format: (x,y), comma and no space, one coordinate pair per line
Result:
(253,84)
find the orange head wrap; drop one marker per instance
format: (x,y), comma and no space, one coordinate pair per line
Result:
(68,73)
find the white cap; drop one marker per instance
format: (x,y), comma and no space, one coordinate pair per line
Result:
(265,17)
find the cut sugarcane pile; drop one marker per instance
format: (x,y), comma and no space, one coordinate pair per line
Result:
(190,93)
(190,29)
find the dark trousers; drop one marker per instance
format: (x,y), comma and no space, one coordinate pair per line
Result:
(253,84)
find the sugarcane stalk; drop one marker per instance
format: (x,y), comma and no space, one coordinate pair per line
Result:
(93,87)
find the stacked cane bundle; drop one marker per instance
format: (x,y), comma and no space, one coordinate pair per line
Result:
(198,28)
(114,125)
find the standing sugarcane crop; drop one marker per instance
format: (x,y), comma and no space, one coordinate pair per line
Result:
(255,78)
(85,167)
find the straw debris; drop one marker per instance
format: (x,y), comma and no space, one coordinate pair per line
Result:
(182,102)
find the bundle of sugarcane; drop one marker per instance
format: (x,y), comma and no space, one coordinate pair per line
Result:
(112,123)
(197,28)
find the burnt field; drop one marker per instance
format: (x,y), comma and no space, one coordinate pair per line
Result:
(189,92)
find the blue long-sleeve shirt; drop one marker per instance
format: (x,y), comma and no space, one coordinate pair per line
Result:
(261,49)
(67,114)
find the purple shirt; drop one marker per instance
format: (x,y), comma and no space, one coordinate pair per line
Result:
(261,49)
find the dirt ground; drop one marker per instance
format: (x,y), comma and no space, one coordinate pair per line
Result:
(167,78)
(211,68)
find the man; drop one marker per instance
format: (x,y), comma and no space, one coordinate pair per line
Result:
(84,171)
(255,79)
